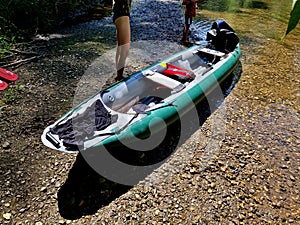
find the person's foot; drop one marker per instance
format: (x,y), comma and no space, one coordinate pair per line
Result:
(186,43)
(119,74)
(118,78)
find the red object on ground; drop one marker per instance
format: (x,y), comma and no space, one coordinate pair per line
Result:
(7,75)
(3,85)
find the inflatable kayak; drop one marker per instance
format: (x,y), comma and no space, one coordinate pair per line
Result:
(148,100)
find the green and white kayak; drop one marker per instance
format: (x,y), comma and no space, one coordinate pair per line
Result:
(146,102)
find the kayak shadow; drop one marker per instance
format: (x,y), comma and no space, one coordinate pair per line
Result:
(86,190)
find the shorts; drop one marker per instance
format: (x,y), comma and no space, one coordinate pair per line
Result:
(188,20)
(121,8)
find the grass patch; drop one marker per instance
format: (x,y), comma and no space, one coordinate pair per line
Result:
(11,94)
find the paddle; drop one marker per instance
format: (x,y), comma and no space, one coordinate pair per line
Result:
(8,75)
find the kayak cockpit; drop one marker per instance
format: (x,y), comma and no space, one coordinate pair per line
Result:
(138,91)
(150,87)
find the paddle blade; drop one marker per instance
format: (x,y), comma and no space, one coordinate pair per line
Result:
(3,85)
(7,75)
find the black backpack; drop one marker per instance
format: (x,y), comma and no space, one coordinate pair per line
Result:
(222,37)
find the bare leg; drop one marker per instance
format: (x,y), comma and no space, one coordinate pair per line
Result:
(185,37)
(123,40)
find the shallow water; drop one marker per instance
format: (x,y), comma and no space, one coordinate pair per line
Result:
(263,109)
(264,106)
(270,67)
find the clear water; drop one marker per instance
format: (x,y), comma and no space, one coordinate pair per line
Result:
(270,66)
(265,103)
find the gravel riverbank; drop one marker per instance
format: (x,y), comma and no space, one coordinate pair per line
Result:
(247,175)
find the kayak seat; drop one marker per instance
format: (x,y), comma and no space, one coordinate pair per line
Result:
(212,52)
(210,55)
(166,81)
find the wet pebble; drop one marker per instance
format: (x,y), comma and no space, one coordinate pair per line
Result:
(6,145)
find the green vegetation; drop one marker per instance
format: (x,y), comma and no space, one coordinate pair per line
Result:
(12,93)
(232,5)
(294,18)
(5,44)
(37,14)
(22,18)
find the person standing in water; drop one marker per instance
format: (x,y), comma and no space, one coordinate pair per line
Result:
(189,13)
(121,10)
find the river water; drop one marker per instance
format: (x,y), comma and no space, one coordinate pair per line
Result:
(269,86)
(263,108)
(271,67)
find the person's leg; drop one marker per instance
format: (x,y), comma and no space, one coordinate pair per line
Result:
(185,33)
(123,44)
(185,36)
